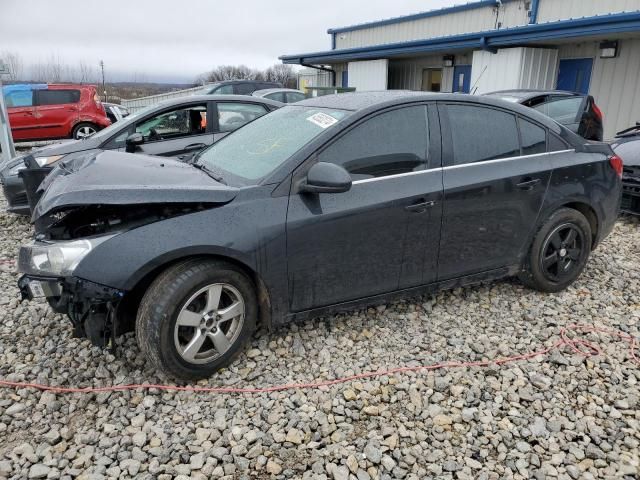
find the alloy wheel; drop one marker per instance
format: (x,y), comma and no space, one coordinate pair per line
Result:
(209,323)
(84,132)
(562,251)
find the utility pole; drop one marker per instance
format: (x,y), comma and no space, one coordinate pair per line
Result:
(104,89)
(6,140)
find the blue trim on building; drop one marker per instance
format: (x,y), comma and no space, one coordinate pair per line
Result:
(533,16)
(418,16)
(491,39)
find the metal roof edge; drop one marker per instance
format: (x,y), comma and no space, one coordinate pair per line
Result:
(601,24)
(417,16)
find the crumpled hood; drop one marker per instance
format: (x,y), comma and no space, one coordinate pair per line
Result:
(114,178)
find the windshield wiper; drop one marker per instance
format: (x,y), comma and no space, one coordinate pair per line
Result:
(208,171)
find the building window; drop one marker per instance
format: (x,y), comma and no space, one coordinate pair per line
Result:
(432,80)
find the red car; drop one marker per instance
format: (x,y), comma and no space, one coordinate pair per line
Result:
(44,112)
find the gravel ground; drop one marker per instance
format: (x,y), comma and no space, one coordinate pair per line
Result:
(559,416)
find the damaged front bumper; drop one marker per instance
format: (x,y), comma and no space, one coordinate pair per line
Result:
(91,307)
(631,190)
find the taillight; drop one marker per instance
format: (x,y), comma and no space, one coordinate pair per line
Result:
(598,112)
(616,164)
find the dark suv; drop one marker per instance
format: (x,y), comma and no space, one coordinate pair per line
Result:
(237,87)
(327,204)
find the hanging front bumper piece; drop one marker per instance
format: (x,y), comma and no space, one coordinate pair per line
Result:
(92,308)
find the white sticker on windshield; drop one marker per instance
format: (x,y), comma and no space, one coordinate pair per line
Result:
(322,119)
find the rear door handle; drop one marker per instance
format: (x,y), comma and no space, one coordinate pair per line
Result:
(420,206)
(528,183)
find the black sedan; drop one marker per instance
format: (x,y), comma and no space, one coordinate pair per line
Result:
(331,203)
(172,128)
(579,113)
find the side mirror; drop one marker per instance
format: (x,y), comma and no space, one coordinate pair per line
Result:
(133,141)
(326,178)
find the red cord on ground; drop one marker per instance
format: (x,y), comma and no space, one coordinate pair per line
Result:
(578,346)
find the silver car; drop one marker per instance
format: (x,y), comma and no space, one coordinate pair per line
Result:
(284,95)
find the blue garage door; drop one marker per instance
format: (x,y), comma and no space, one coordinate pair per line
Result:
(462,78)
(574,75)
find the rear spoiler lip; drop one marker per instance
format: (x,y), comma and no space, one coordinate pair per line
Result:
(598,147)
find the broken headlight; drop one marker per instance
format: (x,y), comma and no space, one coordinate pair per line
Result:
(56,258)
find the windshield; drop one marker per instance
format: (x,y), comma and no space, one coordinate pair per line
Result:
(105,132)
(258,148)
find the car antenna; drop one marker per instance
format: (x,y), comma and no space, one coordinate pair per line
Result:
(474,88)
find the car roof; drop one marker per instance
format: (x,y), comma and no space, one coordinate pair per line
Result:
(267,91)
(525,94)
(371,101)
(218,98)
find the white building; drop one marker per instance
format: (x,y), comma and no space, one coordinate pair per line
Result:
(588,46)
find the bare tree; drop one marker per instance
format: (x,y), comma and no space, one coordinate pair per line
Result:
(281,73)
(86,73)
(53,70)
(14,61)
(230,72)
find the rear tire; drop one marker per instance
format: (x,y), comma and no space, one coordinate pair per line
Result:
(196,317)
(559,252)
(84,130)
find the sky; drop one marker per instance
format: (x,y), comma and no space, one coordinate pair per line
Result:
(175,40)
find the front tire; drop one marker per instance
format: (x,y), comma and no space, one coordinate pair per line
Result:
(195,317)
(559,252)
(84,130)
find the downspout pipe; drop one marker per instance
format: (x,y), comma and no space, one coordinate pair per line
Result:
(533,18)
(324,69)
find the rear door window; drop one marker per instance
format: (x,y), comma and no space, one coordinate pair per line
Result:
(244,88)
(390,143)
(57,97)
(277,96)
(233,115)
(533,137)
(293,97)
(480,134)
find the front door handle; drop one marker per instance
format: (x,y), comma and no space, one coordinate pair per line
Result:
(420,206)
(528,183)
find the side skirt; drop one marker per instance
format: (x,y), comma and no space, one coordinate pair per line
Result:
(477,278)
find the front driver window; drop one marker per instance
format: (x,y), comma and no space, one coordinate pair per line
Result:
(232,116)
(391,143)
(176,123)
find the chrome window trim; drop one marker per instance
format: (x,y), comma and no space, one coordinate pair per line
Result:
(497,160)
(406,174)
(396,175)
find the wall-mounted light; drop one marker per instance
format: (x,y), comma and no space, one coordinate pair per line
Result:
(608,49)
(447,61)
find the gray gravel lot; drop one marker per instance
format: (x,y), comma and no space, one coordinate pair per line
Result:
(559,416)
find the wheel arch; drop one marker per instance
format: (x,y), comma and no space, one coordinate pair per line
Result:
(590,214)
(139,285)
